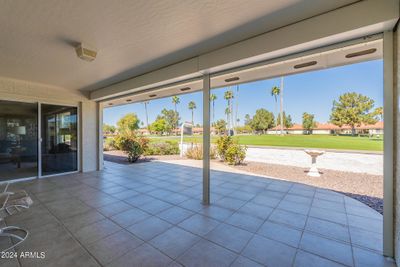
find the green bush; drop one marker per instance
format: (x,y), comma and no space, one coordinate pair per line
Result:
(133,145)
(235,154)
(163,148)
(223,142)
(196,152)
(230,151)
(109,144)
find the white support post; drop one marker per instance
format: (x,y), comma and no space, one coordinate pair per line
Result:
(206,139)
(388,187)
(100,136)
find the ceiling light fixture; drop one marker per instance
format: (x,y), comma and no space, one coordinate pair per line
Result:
(303,65)
(232,79)
(361,53)
(85,52)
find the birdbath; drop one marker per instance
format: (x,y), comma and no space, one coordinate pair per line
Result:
(314,154)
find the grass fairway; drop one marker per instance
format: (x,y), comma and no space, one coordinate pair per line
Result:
(308,141)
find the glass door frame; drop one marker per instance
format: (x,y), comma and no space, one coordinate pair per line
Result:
(39,137)
(78,122)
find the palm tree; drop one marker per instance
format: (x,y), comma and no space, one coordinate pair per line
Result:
(228,96)
(145,103)
(237,106)
(176,101)
(192,106)
(213,97)
(275,91)
(379,112)
(227,112)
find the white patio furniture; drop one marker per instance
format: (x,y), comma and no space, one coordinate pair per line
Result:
(10,204)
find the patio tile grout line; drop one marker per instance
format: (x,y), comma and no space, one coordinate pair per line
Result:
(351,243)
(220,221)
(302,232)
(70,233)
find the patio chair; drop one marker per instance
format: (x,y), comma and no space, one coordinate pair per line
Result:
(10,204)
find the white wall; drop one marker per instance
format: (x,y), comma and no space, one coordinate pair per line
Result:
(89,135)
(396,181)
(321,132)
(17,90)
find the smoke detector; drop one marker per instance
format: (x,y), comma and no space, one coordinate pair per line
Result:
(85,52)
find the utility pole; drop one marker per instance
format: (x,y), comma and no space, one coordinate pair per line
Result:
(147,116)
(237,108)
(281,104)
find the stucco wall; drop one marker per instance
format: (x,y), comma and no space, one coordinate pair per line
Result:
(17,90)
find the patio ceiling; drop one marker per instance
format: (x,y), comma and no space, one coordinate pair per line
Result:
(132,37)
(320,59)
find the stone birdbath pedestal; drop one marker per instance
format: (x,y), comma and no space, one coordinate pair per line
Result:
(314,154)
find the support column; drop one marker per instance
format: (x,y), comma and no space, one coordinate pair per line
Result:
(206,139)
(388,233)
(100,160)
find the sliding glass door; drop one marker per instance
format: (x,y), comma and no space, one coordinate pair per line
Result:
(18,140)
(19,134)
(59,143)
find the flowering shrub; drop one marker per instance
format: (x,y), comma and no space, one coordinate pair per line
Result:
(133,145)
(230,151)
(196,152)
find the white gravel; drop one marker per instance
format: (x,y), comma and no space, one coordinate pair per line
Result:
(340,161)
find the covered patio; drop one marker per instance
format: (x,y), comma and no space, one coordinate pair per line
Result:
(64,62)
(150,214)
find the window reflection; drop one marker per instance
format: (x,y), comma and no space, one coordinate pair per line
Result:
(18,140)
(59,139)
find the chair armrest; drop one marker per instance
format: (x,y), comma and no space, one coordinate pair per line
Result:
(6,188)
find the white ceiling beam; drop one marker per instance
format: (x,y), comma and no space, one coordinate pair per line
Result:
(353,21)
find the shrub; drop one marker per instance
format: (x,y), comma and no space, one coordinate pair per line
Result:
(230,151)
(133,145)
(223,142)
(196,152)
(235,154)
(164,148)
(109,144)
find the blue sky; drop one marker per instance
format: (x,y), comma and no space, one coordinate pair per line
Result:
(311,92)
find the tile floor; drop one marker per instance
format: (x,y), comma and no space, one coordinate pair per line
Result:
(150,214)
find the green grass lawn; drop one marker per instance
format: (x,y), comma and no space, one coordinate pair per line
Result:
(307,141)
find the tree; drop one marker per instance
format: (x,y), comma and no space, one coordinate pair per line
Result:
(159,126)
(287,120)
(145,103)
(171,117)
(220,126)
(228,96)
(262,120)
(109,128)
(213,97)
(379,112)
(176,101)
(275,91)
(247,120)
(237,107)
(308,122)
(129,122)
(227,113)
(353,109)
(192,106)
